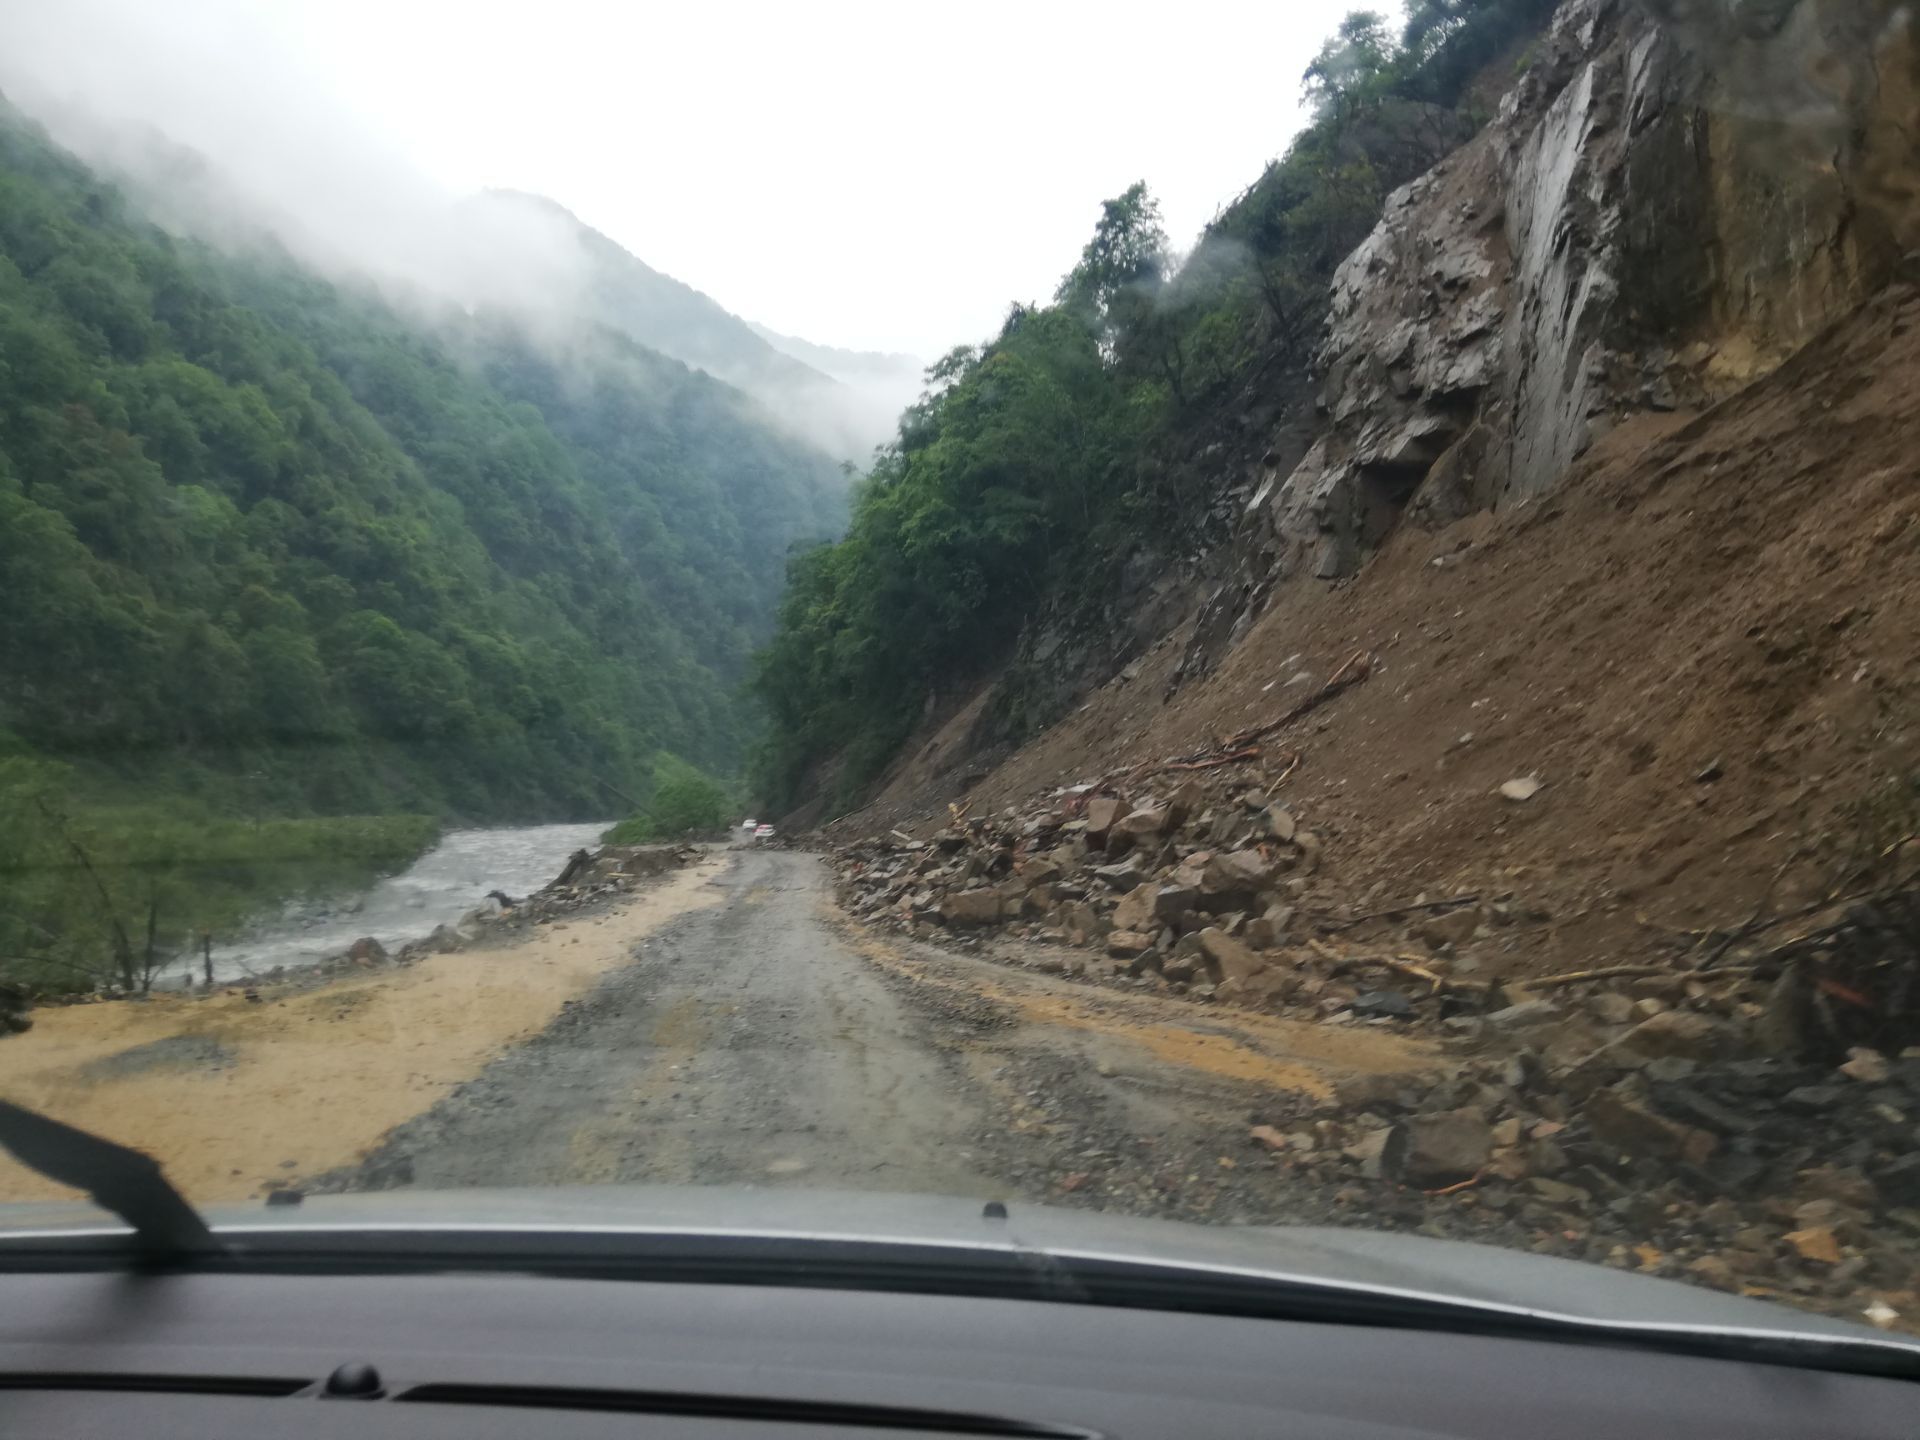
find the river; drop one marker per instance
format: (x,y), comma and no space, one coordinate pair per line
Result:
(437,889)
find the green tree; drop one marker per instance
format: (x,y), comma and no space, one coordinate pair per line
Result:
(1351,67)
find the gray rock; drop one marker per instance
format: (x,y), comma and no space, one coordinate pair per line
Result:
(1391,1004)
(1527,1015)
(1444,1148)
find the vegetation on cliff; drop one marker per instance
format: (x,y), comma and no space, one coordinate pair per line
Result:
(1031,464)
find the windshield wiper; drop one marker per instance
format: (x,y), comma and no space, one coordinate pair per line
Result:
(115,1177)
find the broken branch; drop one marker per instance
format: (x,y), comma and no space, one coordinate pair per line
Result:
(1356,669)
(1393,911)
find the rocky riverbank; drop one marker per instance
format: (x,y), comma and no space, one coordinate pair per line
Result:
(589,880)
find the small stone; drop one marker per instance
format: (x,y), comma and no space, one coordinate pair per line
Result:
(1143,825)
(1102,811)
(1815,1243)
(1388,1004)
(1173,899)
(1556,1192)
(1869,1067)
(1612,1009)
(1267,1136)
(1714,1271)
(1520,789)
(1231,959)
(1235,872)
(1127,944)
(1839,1184)
(1278,821)
(1444,1148)
(1631,1127)
(1526,1015)
(972,907)
(1377,1151)
(1881,1315)
(1180,966)
(1185,802)
(1136,910)
(1899,1180)
(1365,1092)
(1454,928)
(1810,1098)
(367,951)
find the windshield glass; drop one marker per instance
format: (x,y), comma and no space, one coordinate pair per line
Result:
(1306,618)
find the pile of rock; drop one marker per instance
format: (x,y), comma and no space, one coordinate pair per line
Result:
(1669,1147)
(1750,1121)
(1186,888)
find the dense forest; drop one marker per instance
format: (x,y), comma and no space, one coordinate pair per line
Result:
(1033,463)
(273,554)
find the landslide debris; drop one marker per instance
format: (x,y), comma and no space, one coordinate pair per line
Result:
(1739,1109)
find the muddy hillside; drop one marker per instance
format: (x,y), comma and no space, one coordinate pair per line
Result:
(1551,692)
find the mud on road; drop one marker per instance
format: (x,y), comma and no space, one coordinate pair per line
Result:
(766,1041)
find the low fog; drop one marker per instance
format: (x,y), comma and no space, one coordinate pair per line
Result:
(206,115)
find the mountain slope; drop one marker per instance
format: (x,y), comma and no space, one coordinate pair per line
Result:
(257,524)
(843,401)
(1595,475)
(844,364)
(656,310)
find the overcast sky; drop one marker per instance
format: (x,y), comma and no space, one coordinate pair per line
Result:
(880,176)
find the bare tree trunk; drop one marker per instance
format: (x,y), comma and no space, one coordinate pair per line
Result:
(206,955)
(150,963)
(122,942)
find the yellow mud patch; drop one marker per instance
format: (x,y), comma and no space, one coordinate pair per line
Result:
(310,1080)
(1244,1045)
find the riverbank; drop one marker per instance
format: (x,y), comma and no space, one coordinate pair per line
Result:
(241,1092)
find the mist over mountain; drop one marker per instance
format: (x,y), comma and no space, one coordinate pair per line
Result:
(842,401)
(263,524)
(888,382)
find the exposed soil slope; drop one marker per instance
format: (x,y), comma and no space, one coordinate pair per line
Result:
(1703,642)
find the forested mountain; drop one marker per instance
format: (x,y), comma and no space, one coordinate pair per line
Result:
(268,546)
(841,363)
(1039,460)
(654,309)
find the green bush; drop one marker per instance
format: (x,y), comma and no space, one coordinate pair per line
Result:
(686,804)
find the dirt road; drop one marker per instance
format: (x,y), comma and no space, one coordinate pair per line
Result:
(761,1040)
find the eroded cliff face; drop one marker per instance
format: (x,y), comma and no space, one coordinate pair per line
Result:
(1672,199)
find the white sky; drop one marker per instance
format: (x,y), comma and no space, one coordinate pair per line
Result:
(880,176)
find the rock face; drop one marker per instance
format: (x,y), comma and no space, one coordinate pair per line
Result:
(1669,202)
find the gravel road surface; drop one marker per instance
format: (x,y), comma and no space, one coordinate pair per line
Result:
(767,1041)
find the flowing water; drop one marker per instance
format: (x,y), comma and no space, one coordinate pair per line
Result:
(437,889)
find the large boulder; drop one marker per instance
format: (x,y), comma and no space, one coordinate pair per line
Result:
(1234,875)
(972,907)
(367,951)
(1143,826)
(1138,909)
(1227,957)
(1102,811)
(1172,899)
